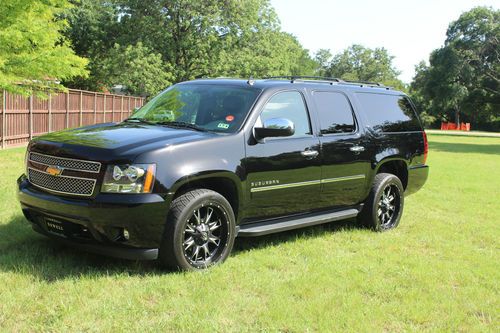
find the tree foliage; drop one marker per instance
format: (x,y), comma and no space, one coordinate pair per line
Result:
(192,38)
(266,53)
(358,63)
(462,79)
(323,57)
(33,53)
(138,68)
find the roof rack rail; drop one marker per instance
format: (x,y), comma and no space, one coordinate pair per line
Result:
(302,77)
(365,82)
(294,78)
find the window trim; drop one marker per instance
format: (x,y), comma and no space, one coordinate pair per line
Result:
(308,114)
(356,123)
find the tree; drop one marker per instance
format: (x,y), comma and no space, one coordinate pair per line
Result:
(93,30)
(358,63)
(266,53)
(323,58)
(141,71)
(462,77)
(33,53)
(421,102)
(441,82)
(194,38)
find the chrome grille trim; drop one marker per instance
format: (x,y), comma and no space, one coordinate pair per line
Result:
(53,183)
(66,163)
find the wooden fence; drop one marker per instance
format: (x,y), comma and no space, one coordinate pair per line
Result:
(22,118)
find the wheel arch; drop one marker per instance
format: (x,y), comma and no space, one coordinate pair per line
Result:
(225,183)
(396,166)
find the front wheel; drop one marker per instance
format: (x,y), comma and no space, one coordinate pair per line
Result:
(384,206)
(199,232)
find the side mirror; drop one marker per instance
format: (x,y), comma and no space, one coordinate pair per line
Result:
(274,127)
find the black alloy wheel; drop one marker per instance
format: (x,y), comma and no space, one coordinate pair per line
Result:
(383,208)
(388,206)
(205,235)
(199,231)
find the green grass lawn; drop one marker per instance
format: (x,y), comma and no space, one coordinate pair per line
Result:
(438,271)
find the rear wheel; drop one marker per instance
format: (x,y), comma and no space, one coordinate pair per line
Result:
(384,206)
(200,231)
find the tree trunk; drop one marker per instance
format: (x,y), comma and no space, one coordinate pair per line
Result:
(457,116)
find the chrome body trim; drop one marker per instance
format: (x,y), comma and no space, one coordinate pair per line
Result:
(340,179)
(277,187)
(306,183)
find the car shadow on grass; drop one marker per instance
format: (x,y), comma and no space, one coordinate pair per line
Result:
(447,147)
(26,252)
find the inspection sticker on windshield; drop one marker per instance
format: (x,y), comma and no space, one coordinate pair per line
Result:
(222,125)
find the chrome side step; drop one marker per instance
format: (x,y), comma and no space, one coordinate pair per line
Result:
(283,224)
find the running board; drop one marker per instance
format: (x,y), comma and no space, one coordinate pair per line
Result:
(284,224)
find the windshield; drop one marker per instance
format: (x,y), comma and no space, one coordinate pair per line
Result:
(207,107)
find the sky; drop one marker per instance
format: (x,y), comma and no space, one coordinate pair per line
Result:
(409,30)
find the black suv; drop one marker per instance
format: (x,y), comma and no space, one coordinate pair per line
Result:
(208,160)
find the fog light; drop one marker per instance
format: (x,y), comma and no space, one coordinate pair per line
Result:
(126,234)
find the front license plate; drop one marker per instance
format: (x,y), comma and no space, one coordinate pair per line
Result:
(54,226)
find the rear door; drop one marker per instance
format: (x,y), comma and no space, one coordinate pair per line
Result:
(344,155)
(283,174)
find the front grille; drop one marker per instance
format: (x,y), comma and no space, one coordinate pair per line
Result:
(62,184)
(66,163)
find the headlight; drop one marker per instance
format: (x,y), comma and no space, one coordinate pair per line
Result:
(134,178)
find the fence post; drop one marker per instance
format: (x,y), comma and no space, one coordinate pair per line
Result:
(121,109)
(128,109)
(30,116)
(67,109)
(104,110)
(95,108)
(4,108)
(50,113)
(81,108)
(112,108)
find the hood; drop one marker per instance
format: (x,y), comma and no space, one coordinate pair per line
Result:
(110,141)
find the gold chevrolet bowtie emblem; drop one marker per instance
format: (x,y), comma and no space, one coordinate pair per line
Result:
(54,170)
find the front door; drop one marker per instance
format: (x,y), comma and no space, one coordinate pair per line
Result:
(283,174)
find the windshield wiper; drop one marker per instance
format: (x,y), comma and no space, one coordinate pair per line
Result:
(139,120)
(182,124)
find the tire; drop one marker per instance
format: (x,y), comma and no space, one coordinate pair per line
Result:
(199,231)
(380,212)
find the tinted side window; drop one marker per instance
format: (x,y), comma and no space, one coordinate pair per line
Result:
(389,113)
(289,105)
(335,112)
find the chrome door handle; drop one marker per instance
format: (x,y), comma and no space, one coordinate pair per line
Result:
(309,153)
(357,149)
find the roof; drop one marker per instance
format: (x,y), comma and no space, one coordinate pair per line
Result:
(297,81)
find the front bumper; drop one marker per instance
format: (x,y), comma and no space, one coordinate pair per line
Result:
(96,225)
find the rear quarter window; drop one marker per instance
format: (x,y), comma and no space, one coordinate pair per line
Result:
(389,113)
